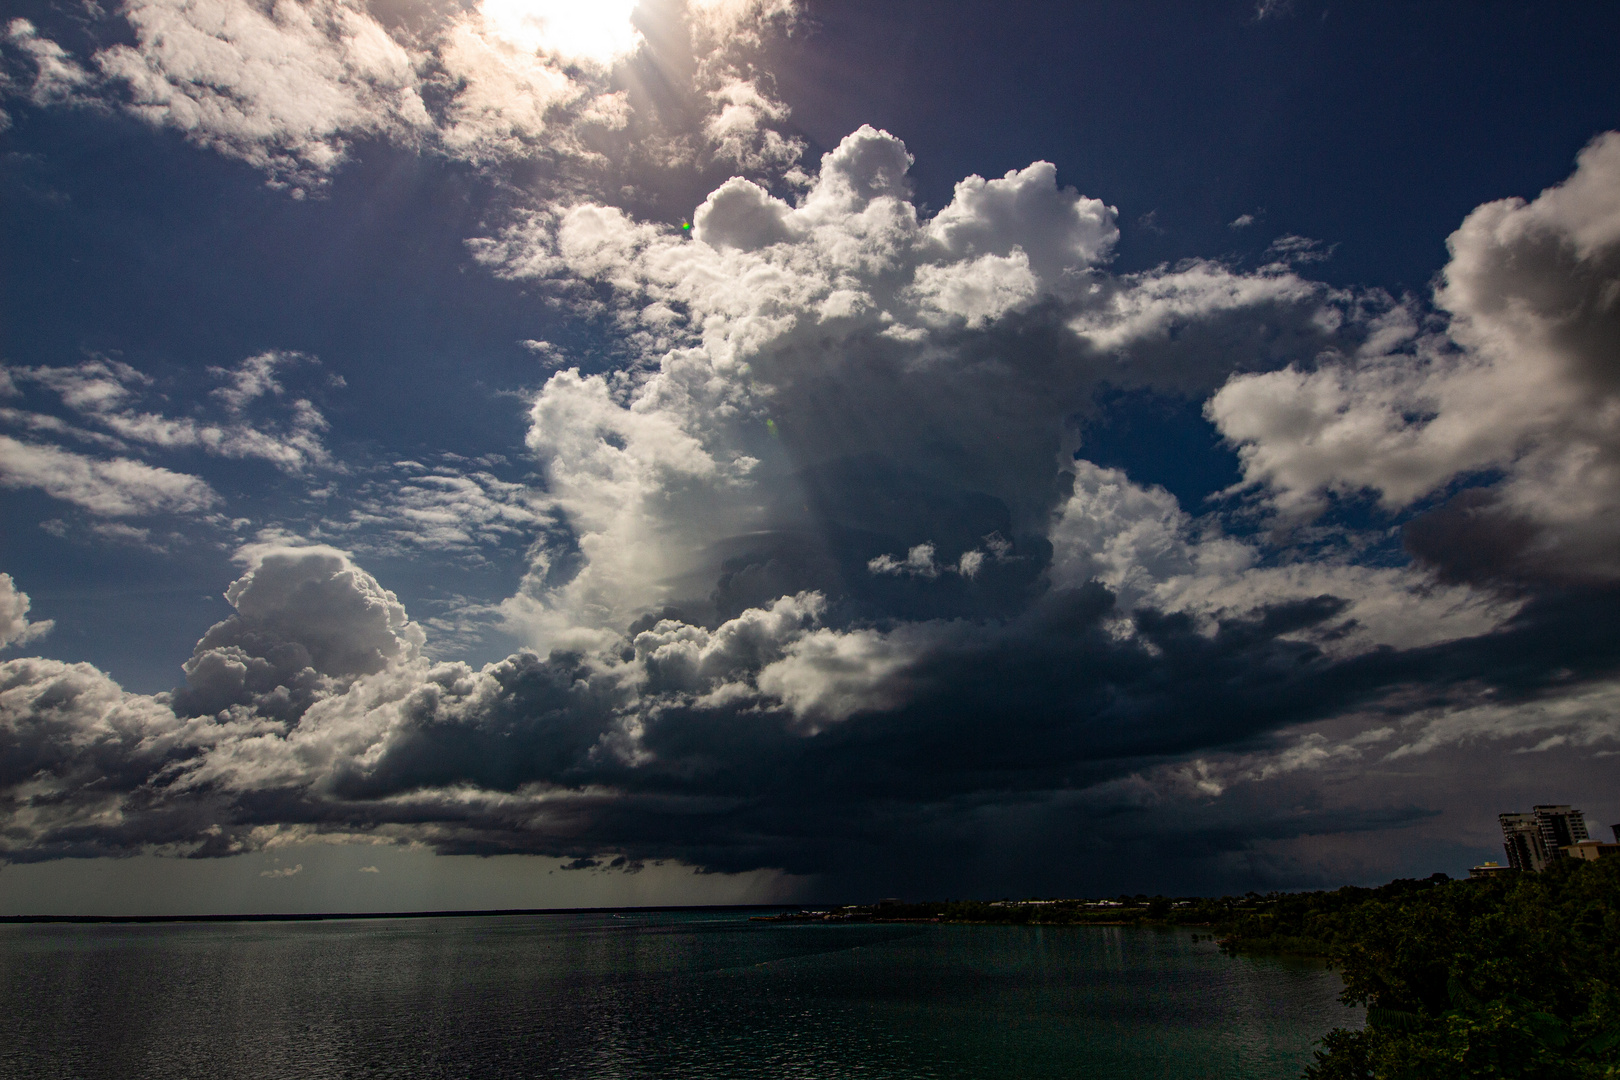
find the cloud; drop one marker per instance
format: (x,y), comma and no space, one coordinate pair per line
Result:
(919,561)
(15,629)
(817,580)
(116,488)
(1157,306)
(721,18)
(282,871)
(1138,542)
(788,347)
(259,423)
(1215,775)
(739,130)
(1293,250)
(1584,719)
(114,532)
(597,34)
(74,750)
(772,739)
(42,423)
(727,39)
(1059,231)
(119,533)
(504,65)
(292,88)
(1519,380)
(103,392)
(442,509)
(308,622)
(978,291)
(283,88)
(58,78)
(252,379)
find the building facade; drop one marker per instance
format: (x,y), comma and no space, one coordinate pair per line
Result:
(1592,850)
(1561,826)
(1548,832)
(1521,837)
(1489,869)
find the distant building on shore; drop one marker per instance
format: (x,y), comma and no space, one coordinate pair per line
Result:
(1592,850)
(1488,869)
(1561,826)
(1550,831)
(1521,836)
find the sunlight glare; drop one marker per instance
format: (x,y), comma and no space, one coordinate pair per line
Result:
(598,31)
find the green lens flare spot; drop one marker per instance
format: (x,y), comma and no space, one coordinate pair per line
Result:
(770,426)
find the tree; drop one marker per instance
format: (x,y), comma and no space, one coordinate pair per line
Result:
(1500,978)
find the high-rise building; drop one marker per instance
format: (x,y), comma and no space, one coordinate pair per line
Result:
(1532,839)
(1561,826)
(1521,837)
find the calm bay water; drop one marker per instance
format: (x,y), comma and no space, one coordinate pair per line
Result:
(668,995)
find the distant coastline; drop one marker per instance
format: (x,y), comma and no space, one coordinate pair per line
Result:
(325,916)
(1519,970)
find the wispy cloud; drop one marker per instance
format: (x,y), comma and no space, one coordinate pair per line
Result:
(116,488)
(106,393)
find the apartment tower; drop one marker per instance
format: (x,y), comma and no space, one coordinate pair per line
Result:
(1521,837)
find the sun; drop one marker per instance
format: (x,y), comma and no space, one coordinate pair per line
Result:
(594,31)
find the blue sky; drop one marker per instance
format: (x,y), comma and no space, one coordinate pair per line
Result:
(1061,426)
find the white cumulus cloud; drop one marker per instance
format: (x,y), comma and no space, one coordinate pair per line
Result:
(1522,380)
(15,629)
(284,87)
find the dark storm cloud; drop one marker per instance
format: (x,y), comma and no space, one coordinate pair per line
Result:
(671,751)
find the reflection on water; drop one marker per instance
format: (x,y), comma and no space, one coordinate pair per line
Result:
(647,995)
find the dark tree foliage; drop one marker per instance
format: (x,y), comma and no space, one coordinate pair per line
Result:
(1504,978)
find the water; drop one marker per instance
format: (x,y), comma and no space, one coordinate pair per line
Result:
(666,995)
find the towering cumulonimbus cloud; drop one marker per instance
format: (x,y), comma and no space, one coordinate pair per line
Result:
(828,384)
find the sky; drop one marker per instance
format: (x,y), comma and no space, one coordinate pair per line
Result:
(522,453)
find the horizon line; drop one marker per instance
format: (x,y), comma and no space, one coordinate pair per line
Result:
(320,916)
